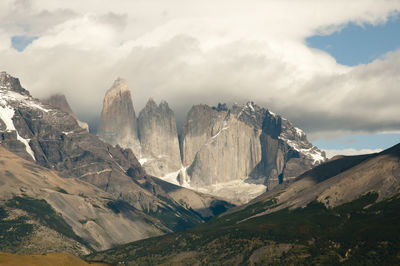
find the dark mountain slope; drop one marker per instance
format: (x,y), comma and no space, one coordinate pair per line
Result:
(358,225)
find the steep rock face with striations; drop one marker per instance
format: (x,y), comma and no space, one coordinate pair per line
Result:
(226,149)
(158,139)
(53,139)
(118,123)
(246,147)
(243,143)
(60,101)
(202,123)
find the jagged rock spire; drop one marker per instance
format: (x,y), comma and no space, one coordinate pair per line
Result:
(118,118)
(159,139)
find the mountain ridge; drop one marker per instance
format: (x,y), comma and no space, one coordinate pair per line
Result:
(283,226)
(52,138)
(265,148)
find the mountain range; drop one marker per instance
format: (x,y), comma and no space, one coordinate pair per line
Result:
(46,138)
(345,211)
(266,148)
(235,185)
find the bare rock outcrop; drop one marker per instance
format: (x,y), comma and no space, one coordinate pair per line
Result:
(12,84)
(217,145)
(230,153)
(118,123)
(60,101)
(202,123)
(243,143)
(158,139)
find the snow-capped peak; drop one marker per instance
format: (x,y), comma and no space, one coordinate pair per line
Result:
(296,139)
(13,96)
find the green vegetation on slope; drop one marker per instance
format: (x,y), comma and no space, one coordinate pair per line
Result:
(359,232)
(12,231)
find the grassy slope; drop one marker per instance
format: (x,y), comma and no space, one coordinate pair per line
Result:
(61,259)
(22,217)
(358,232)
(41,211)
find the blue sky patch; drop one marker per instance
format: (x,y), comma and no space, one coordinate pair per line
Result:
(20,42)
(358,142)
(355,44)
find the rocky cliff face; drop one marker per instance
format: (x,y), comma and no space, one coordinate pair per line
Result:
(158,139)
(226,150)
(118,118)
(218,145)
(60,101)
(53,139)
(247,142)
(202,123)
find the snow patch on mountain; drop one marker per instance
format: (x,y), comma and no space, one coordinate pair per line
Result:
(171,178)
(142,161)
(299,132)
(313,153)
(8,97)
(272,113)
(6,115)
(236,191)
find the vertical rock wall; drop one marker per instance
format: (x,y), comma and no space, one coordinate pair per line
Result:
(217,144)
(118,119)
(158,139)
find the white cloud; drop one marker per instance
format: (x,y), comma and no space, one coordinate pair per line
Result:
(85,33)
(189,52)
(332,153)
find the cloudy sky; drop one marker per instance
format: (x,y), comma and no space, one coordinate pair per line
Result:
(332,67)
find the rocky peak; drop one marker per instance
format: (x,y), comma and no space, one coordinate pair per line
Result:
(118,96)
(10,83)
(60,102)
(119,87)
(270,123)
(262,145)
(151,104)
(250,113)
(217,144)
(118,118)
(159,139)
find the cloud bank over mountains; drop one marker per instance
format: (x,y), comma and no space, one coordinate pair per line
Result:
(188,52)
